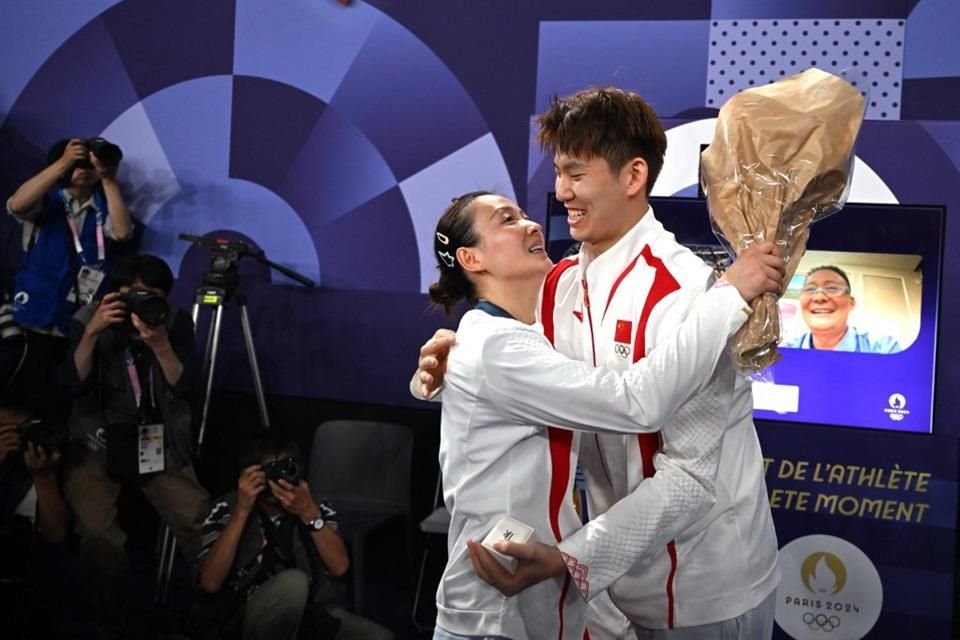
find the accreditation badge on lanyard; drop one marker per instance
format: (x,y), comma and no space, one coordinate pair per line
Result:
(149,436)
(90,276)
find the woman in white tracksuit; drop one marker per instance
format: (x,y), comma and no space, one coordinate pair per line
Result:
(510,401)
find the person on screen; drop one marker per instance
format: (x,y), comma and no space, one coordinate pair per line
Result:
(826,302)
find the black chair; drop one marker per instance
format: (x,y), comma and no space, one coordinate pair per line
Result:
(437,523)
(363,469)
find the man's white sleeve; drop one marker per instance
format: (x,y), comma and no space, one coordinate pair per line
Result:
(644,521)
(532,383)
(30,215)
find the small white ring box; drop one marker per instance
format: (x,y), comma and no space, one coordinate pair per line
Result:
(507,529)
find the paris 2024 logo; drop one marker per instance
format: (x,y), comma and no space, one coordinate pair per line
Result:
(830,589)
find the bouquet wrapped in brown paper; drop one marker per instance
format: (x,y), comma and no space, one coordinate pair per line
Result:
(781,158)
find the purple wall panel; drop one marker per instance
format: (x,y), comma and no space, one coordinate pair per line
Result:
(321,111)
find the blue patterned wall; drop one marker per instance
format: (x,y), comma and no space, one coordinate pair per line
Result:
(332,136)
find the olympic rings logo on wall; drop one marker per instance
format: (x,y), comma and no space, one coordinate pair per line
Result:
(821,621)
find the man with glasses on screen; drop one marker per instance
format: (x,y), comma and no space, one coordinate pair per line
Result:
(826,302)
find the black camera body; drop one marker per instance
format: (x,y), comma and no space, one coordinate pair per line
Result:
(285,469)
(41,434)
(148,306)
(107,153)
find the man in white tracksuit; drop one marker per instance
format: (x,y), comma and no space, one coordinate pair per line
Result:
(721,565)
(608,307)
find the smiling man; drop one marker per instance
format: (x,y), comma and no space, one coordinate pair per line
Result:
(826,302)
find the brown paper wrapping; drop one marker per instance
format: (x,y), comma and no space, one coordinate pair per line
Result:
(781,158)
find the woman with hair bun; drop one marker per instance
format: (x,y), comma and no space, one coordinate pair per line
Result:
(511,403)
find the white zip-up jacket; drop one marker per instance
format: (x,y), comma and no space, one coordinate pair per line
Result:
(684,568)
(505,383)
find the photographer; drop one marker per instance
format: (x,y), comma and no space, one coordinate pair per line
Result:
(72,213)
(133,370)
(33,517)
(270,554)
(29,459)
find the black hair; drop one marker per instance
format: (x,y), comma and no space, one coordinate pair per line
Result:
(454,230)
(608,122)
(150,270)
(829,267)
(269,444)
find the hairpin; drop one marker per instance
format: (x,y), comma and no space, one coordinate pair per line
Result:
(446,258)
(442,238)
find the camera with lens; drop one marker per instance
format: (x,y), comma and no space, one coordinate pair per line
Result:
(41,434)
(286,469)
(148,306)
(107,153)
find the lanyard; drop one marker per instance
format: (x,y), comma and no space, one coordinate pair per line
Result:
(492,309)
(72,223)
(135,380)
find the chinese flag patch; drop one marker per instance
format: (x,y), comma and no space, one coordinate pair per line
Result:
(624,332)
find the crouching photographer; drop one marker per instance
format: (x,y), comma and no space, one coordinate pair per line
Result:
(33,517)
(271,556)
(29,462)
(133,370)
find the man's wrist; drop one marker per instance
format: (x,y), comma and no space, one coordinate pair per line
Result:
(163,348)
(311,514)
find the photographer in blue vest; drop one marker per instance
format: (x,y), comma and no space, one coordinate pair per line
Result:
(71,214)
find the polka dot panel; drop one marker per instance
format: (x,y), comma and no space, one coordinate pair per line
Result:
(747,53)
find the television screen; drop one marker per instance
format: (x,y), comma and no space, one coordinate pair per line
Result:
(858,319)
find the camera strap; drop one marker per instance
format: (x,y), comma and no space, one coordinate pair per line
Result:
(75,232)
(279,546)
(150,430)
(133,373)
(278,552)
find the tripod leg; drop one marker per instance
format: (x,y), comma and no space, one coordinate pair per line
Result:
(170,552)
(205,366)
(168,546)
(254,369)
(209,365)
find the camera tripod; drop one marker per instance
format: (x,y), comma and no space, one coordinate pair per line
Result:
(220,285)
(216,297)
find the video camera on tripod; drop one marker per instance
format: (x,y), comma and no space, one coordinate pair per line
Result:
(224,256)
